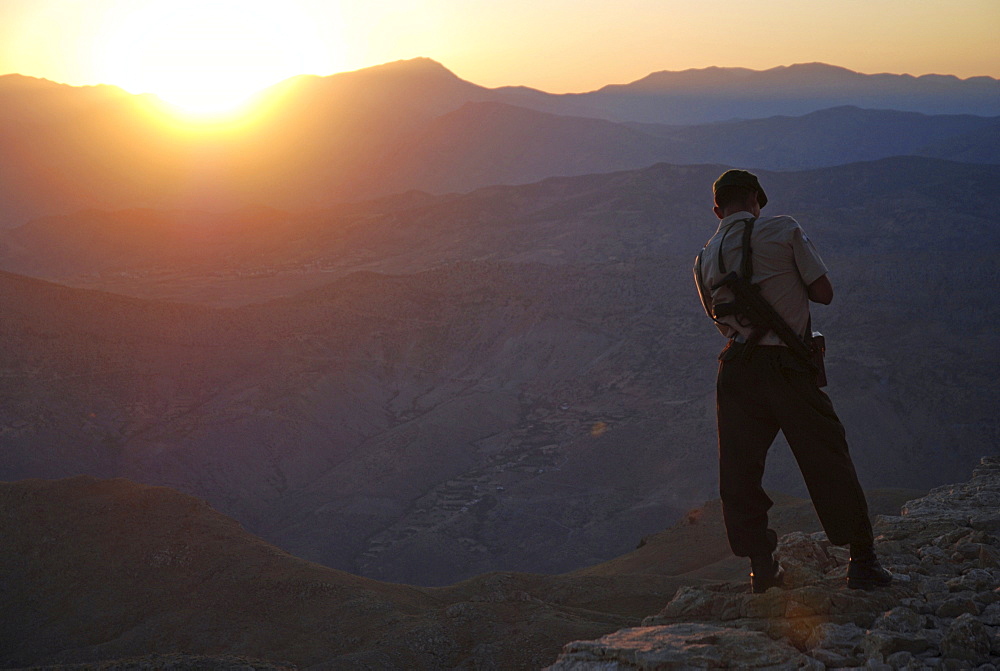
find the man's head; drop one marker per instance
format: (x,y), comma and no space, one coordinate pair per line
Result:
(738,191)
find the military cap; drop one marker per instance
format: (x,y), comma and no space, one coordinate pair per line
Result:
(747,180)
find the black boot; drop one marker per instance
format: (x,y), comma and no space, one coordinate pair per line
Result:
(864,571)
(763,579)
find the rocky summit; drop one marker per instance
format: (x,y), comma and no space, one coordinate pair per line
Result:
(942,611)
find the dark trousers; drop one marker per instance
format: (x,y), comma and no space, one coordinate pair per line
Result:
(756,398)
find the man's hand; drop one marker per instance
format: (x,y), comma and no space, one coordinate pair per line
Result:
(821,291)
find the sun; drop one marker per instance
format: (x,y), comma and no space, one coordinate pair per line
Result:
(209,57)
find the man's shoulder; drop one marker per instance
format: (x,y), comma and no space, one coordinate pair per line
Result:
(780,227)
(782,221)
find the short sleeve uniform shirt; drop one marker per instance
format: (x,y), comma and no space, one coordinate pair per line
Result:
(785,263)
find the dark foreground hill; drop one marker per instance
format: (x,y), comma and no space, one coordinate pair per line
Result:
(516,379)
(110,570)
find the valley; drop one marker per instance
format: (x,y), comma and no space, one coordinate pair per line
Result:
(400,368)
(507,370)
(519,378)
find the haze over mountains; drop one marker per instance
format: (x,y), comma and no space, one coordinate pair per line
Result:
(415,125)
(515,350)
(418,330)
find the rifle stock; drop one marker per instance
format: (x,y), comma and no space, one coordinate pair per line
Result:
(762,315)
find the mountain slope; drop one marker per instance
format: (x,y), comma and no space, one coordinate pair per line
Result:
(108,569)
(519,378)
(482,144)
(829,137)
(490,143)
(976,146)
(577,220)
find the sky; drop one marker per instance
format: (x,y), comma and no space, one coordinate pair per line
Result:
(554,45)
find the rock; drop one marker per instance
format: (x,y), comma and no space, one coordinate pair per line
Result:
(836,644)
(991,615)
(932,585)
(832,659)
(901,619)
(943,611)
(879,643)
(767,605)
(987,598)
(679,646)
(989,557)
(932,552)
(804,558)
(697,603)
(976,579)
(900,660)
(967,639)
(957,606)
(876,665)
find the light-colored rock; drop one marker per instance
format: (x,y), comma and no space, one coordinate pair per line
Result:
(836,645)
(942,611)
(680,646)
(901,619)
(976,579)
(967,639)
(804,557)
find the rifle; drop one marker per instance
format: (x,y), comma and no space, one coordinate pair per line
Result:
(760,314)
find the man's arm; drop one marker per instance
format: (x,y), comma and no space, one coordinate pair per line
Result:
(821,290)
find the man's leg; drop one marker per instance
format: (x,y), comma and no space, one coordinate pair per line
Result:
(819,444)
(746,431)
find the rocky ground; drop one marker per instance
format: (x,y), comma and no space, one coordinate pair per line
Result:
(943,611)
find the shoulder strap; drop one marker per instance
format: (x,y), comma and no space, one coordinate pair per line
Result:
(746,263)
(746,266)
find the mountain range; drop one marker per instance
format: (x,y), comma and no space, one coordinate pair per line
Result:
(432,355)
(406,385)
(317,141)
(494,143)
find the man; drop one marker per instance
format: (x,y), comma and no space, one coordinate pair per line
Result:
(763,387)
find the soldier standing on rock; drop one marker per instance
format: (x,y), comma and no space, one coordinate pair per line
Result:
(765,385)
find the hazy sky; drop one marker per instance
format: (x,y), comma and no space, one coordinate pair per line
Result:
(555,45)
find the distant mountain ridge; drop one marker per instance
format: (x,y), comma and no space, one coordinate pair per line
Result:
(802,88)
(322,140)
(495,143)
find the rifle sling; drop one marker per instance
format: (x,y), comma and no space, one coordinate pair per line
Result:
(746,272)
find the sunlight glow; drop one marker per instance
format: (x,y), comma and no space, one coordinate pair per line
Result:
(209,58)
